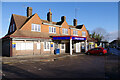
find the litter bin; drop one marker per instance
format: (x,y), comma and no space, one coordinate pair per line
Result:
(57,51)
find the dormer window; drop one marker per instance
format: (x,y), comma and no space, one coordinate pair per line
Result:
(36,27)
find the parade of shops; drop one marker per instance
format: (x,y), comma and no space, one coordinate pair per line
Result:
(30,35)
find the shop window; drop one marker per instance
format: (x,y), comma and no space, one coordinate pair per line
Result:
(83,34)
(64,31)
(36,27)
(18,46)
(46,46)
(29,46)
(62,46)
(24,46)
(52,29)
(75,33)
(38,45)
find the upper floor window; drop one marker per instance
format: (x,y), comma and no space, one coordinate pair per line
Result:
(64,31)
(75,32)
(83,34)
(52,29)
(36,27)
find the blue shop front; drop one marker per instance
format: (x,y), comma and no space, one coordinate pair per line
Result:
(71,44)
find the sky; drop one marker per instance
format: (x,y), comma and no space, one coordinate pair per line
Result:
(92,14)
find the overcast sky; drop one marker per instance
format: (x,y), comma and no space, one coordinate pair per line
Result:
(92,14)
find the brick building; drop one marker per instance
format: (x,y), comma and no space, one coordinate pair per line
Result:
(30,35)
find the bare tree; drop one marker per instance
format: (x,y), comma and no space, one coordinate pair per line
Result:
(101,33)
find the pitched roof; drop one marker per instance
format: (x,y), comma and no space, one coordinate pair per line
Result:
(21,33)
(71,26)
(55,23)
(19,20)
(79,26)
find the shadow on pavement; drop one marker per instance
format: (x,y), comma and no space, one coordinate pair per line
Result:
(16,73)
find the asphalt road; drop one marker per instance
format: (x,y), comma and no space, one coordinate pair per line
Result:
(80,66)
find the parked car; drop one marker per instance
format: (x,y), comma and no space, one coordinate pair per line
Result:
(98,51)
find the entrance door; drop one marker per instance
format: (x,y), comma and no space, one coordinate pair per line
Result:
(67,50)
(77,47)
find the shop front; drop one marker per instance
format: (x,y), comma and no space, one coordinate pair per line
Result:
(72,44)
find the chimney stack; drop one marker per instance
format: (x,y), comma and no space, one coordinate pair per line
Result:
(63,18)
(49,16)
(75,22)
(29,11)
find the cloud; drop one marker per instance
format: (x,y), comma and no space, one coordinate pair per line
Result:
(113,35)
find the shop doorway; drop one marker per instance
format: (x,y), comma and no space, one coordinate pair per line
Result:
(67,48)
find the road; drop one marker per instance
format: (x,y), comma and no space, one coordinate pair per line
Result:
(81,66)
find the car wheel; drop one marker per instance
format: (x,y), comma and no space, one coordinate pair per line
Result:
(100,53)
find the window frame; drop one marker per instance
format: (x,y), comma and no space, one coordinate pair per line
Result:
(46,46)
(52,29)
(36,27)
(38,45)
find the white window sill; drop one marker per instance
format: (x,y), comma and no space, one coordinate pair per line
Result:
(35,31)
(52,33)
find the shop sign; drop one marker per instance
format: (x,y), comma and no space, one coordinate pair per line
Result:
(60,38)
(78,38)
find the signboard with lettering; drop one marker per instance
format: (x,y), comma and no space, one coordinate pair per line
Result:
(78,38)
(64,38)
(60,38)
